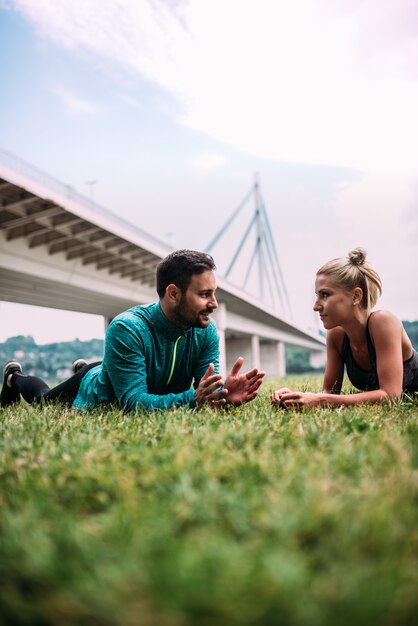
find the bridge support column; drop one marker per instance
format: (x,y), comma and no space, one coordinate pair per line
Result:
(317,359)
(281,358)
(273,360)
(255,349)
(220,319)
(222,352)
(107,321)
(248,347)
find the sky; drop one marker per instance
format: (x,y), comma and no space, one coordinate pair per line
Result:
(164,111)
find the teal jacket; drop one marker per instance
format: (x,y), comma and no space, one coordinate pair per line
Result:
(149,362)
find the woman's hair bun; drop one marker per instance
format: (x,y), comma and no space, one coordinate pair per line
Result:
(357,256)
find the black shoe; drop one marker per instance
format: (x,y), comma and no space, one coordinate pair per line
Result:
(9,395)
(77,365)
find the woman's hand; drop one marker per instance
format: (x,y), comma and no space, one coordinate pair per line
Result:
(285,399)
(276,397)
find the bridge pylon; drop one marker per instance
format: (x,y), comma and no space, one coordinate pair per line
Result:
(256,254)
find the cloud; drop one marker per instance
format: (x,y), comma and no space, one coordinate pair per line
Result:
(307,82)
(130,100)
(74,104)
(373,213)
(385,33)
(375,200)
(209,162)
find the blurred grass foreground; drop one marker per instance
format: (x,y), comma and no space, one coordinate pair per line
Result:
(243,517)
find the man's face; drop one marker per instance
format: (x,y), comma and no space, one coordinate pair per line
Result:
(197,302)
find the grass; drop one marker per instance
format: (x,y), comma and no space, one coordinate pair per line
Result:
(250,516)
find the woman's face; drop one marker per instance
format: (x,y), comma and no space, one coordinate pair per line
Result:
(334,304)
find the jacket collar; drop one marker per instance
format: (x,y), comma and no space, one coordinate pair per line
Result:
(167,328)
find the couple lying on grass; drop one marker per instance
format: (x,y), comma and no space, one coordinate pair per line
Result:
(154,353)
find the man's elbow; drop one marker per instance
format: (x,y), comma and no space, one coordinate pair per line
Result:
(128,402)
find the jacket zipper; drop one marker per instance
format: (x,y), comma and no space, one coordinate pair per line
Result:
(173,362)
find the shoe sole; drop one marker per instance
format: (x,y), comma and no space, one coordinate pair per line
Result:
(11,367)
(8,395)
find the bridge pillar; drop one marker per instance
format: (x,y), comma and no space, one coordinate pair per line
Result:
(273,359)
(317,359)
(107,321)
(241,346)
(255,349)
(281,358)
(222,352)
(219,316)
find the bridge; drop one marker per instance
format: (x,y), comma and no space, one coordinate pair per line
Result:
(60,249)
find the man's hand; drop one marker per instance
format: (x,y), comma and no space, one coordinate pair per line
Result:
(242,388)
(208,390)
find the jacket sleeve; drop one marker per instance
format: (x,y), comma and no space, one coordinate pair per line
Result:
(126,366)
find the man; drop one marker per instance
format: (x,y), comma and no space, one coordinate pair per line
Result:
(155,353)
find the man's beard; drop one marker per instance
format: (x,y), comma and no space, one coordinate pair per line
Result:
(184,319)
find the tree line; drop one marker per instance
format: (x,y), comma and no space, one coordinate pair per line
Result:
(51,361)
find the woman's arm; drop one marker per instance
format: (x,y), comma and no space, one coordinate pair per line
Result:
(333,379)
(334,369)
(299,399)
(386,333)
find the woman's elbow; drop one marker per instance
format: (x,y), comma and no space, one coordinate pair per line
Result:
(391,395)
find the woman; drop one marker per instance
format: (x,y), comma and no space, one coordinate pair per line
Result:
(373,346)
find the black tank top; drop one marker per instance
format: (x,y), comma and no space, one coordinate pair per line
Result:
(367,380)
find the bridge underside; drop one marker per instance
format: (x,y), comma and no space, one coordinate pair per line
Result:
(40,291)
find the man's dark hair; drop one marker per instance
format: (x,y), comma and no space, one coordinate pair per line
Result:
(179,267)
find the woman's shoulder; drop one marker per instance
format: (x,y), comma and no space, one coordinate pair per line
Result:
(383,318)
(336,333)
(335,338)
(384,322)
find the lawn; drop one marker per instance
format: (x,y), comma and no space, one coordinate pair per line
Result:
(250,516)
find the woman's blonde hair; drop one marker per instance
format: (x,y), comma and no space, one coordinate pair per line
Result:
(353,271)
